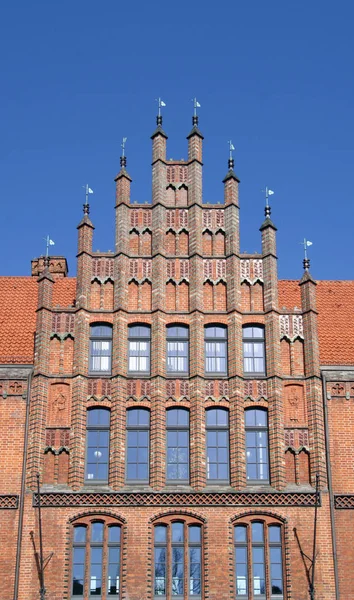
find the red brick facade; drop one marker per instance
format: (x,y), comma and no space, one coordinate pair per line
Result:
(176,262)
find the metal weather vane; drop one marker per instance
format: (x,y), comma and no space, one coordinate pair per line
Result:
(196,105)
(88,191)
(160,104)
(49,242)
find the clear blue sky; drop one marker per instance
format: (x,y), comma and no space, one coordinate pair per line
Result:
(276,77)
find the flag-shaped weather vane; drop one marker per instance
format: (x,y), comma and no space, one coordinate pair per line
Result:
(268,193)
(160,104)
(123,146)
(88,191)
(49,242)
(196,105)
(306,243)
(231,158)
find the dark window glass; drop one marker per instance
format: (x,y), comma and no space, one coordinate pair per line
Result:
(139,349)
(101,348)
(253,350)
(261,545)
(97,444)
(217,440)
(257,459)
(177,349)
(103,549)
(215,347)
(78,565)
(177,444)
(172,547)
(138,424)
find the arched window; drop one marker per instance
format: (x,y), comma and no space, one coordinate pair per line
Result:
(178,559)
(215,343)
(258,560)
(139,349)
(138,430)
(257,458)
(97,543)
(177,349)
(101,348)
(253,351)
(97,445)
(177,444)
(217,444)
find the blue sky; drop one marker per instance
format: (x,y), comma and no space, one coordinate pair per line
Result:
(276,77)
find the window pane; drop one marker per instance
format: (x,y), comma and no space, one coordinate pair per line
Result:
(274,533)
(98,416)
(139,331)
(257,532)
(114,533)
(177,532)
(97,532)
(113,570)
(240,533)
(194,533)
(160,533)
(79,534)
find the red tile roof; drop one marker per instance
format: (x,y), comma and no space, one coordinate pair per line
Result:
(18,303)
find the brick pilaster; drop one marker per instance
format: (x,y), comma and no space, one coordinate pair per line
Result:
(195,165)
(84,262)
(159,169)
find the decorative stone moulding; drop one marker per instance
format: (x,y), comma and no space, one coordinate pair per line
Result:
(8,501)
(291,327)
(340,390)
(102,280)
(72,499)
(251,270)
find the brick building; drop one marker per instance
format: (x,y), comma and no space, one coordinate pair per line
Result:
(178,401)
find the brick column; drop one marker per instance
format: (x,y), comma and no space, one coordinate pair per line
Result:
(197,434)
(158,434)
(312,373)
(195,165)
(273,357)
(159,169)
(84,261)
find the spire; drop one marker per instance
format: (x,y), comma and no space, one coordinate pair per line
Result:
(231,163)
(267,211)
(306,262)
(195,120)
(159,130)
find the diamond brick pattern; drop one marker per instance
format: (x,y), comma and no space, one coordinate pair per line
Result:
(164,499)
(344,501)
(8,501)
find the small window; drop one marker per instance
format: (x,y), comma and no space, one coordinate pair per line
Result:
(138,430)
(257,455)
(177,349)
(98,544)
(217,444)
(177,559)
(101,348)
(177,445)
(139,349)
(215,350)
(97,445)
(259,560)
(253,351)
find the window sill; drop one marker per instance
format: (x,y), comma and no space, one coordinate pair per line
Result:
(254,376)
(216,376)
(100,374)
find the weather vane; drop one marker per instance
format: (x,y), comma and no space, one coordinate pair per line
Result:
(195,106)
(49,242)
(231,149)
(306,243)
(160,104)
(123,146)
(268,193)
(88,191)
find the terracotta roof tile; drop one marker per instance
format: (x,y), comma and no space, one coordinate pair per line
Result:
(18,303)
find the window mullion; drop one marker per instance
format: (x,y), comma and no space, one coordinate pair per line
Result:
(267,563)
(250,562)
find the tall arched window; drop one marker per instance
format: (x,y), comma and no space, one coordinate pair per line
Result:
(97,445)
(215,349)
(257,455)
(101,348)
(177,444)
(139,349)
(258,560)
(96,557)
(253,351)
(138,430)
(217,444)
(177,560)
(177,349)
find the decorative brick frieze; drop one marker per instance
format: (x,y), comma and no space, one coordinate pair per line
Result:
(57,499)
(251,270)
(8,501)
(345,501)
